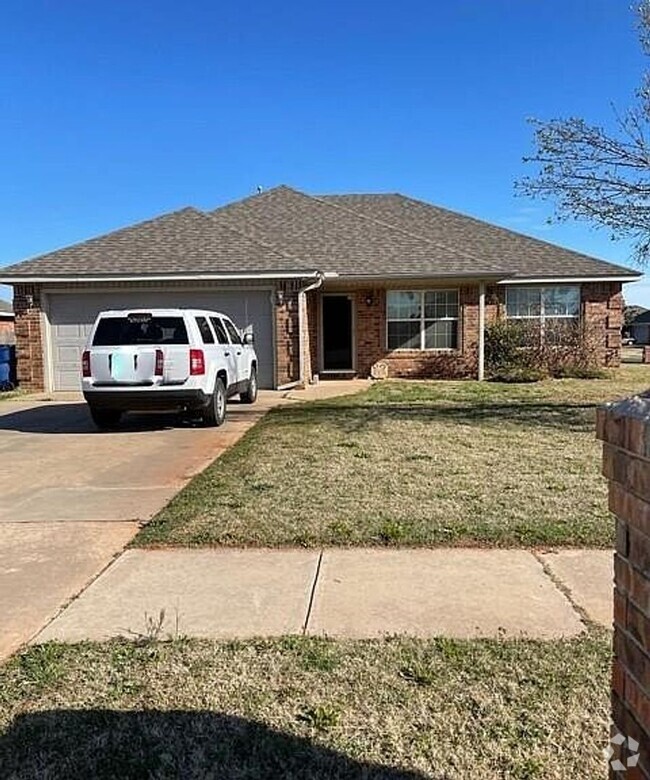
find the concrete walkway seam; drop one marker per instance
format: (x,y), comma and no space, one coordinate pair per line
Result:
(79,593)
(565,591)
(312,595)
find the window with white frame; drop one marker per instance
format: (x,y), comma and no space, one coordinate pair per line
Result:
(547,311)
(422,319)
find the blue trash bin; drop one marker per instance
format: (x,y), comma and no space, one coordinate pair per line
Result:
(6,361)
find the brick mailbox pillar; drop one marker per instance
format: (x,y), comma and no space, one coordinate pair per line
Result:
(624,427)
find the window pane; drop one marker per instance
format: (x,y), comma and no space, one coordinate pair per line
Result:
(439,304)
(403,305)
(404,335)
(125,331)
(235,338)
(206,333)
(561,301)
(523,301)
(441,335)
(219,329)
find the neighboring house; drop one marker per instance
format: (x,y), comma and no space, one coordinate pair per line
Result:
(336,286)
(6,323)
(639,328)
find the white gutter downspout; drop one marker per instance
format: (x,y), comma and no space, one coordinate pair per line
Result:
(481,331)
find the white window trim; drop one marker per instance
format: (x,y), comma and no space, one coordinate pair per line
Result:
(423,319)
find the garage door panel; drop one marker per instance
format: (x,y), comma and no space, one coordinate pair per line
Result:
(72,315)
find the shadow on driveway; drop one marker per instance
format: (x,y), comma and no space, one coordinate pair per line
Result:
(75,418)
(102,744)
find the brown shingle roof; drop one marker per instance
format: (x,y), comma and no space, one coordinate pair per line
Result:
(284,231)
(523,255)
(185,241)
(336,239)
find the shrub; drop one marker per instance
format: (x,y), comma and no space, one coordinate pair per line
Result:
(520,351)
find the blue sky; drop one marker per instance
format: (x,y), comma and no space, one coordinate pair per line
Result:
(114,112)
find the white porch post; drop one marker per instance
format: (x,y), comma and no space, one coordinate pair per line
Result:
(481,331)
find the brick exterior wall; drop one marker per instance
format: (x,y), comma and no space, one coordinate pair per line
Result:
(601,310)
(287,335)
(601,307)
(624,428)
(29,339)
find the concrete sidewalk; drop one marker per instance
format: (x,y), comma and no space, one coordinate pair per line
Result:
(343,593)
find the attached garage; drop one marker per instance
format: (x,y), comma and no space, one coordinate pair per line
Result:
(71,314)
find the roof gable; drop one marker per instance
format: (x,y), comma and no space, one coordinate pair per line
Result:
(336,239)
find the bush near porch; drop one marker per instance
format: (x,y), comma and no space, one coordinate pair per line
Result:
(411,463)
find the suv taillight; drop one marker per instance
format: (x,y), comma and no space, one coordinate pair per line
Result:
(160,363)
(197,362)
(85,364)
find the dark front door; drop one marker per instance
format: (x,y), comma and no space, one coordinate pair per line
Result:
(337,333)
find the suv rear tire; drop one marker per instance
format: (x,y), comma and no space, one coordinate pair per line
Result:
(215,412)
(106,419)
(250,396)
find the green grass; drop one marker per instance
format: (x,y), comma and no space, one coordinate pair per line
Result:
(411,463)
(11,395)
(308,708)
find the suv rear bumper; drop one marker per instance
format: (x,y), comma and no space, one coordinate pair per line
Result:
(147,400)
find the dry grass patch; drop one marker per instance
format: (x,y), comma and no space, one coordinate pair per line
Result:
(308,708)
(421,463)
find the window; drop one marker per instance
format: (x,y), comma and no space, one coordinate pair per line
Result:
(222,336)
(422,319)
(139,329)
(546,314)
(235,338)
(206,332)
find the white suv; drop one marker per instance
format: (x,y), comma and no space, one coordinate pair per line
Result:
(164,360)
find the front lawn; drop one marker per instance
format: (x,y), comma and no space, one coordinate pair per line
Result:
(397,709)
(421,463)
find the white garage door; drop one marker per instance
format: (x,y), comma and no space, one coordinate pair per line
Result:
(72,315)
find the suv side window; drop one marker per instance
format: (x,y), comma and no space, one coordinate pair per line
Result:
(222,336)
(206,332)
(235,338)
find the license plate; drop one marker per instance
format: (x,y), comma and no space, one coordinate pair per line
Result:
(121,366)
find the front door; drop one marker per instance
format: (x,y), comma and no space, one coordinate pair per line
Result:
(337,333)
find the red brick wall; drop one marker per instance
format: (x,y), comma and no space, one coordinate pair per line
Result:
(287,335)
(602,310)
(625,431)
(29,342)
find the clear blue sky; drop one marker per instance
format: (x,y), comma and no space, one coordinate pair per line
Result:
(117,111)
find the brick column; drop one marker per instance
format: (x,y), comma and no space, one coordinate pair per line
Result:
(624,428)
(29,342)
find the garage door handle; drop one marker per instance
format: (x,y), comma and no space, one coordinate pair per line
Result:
(227,354)
(239,353)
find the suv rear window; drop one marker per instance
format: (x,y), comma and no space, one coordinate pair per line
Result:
(127,331)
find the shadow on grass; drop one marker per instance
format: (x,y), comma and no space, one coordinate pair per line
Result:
(102,744)
(357,418)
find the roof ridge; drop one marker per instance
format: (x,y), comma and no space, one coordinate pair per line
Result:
(508,231)
(399,229)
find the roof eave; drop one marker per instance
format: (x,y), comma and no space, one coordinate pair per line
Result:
(45,278)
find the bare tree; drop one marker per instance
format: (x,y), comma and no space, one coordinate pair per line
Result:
(596,175)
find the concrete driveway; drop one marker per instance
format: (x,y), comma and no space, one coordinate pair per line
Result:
(72,497)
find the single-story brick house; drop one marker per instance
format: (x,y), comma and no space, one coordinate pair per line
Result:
(338,285)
